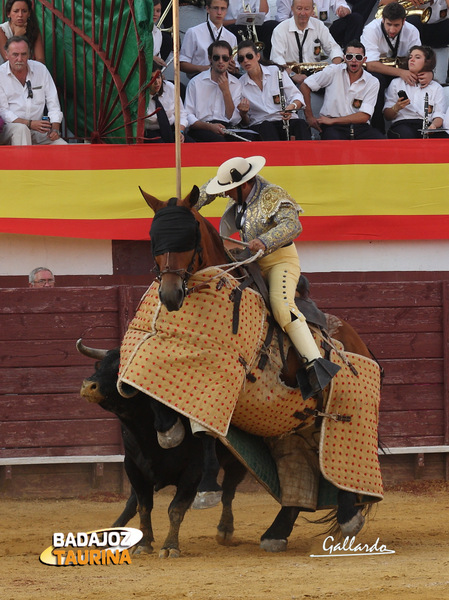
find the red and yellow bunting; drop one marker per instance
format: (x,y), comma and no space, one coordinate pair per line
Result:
(372,190)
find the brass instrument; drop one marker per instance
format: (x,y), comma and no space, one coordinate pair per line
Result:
(307,68)
(161,20)
(424,12)
(400,62)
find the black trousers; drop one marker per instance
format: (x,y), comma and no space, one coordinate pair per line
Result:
(272,131)
(377,120)
(347,29)
(357,131)
(153,136)
(362,7)
(407,129)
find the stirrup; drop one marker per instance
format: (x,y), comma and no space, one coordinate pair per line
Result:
(315,376)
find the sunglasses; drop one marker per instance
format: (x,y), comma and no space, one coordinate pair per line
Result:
(217,57)
(30,91)
(358,57)
(248,56)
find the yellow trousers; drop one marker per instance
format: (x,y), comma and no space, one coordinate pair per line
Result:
(281,269)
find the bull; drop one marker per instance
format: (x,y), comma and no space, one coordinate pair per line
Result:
(150,467)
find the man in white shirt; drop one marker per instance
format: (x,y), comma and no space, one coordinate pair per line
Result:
(242,32)
(26,87)
(212,98)
(389,37)
(193,56)
(349,98)
(303,39)
(347,26)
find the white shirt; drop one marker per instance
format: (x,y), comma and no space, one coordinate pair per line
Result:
(285,48)
(446,120)
(284,9)
(342,98)
(167,99)
(198,39)
(440,11)
(157,40)
(8,33)
(204,99)
(262,104)
(376,45)
(416,94)
(14,101)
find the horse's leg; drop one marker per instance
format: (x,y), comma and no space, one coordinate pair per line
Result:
(349,516)
(275,537)
(234,473)
(170,430)
(209,491)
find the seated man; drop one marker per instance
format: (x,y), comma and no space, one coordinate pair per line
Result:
(389,37)
(349,99)
(193,56)
(303,39)
(347,26)
(26,88)
(212,97)
(243,32)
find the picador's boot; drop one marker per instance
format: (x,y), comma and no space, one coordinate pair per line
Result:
(318,371)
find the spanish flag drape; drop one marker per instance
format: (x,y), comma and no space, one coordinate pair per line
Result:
(371,190)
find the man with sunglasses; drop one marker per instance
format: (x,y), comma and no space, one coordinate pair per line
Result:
(349,98)
(26,88)
(193,56)
(212,98)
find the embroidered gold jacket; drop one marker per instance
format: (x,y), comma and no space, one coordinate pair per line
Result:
(271,215)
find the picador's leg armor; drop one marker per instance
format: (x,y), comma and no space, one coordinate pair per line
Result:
(318,371)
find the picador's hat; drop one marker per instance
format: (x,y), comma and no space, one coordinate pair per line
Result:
(234,172)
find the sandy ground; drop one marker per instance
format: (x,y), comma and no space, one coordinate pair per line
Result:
(413,522)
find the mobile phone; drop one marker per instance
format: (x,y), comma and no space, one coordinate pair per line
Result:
(402,95)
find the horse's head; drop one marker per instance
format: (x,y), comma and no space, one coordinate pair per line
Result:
(176,245)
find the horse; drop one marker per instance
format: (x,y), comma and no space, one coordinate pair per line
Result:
(184,244)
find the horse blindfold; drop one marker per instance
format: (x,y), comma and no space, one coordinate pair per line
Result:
(174,229)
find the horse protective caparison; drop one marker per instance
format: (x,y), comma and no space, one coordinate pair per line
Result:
(195,362)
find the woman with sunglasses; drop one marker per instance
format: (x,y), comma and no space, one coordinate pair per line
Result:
(405,104)
(21,22)
(260,106)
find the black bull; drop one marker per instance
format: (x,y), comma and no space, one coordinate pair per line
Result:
(149,467)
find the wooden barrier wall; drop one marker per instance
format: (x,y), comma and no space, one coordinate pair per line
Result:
(41,413)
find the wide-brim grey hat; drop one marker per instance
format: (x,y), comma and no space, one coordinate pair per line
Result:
(234,172)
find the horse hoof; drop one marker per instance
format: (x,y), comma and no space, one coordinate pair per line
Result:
(273,545)
(174,553)
(172,437)
(353,526)
(142,550)
(206,500)
(224,538)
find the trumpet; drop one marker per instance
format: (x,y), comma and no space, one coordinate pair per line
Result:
(307,68)
(424,12)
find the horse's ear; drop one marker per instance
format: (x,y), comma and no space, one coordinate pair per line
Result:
(192,198)
(152,202)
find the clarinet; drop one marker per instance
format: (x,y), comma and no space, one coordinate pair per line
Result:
(425,122)
(285,123)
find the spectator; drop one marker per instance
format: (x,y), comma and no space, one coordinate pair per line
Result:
(347,26)
(389,37)
(303,39)
(212,97)
(193,55)
(26,88)
(349,98)
(41,277)
(160,126)
(260,106)
(21,22)
(407,113)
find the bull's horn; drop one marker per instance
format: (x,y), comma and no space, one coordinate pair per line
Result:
(96,353)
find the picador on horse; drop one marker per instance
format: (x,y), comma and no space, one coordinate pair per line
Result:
(198,349)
